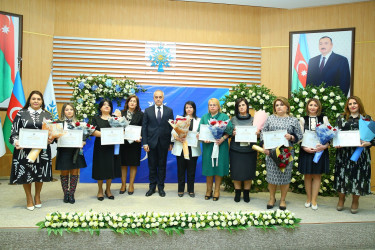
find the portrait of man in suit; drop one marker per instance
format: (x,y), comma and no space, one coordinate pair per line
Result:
(156,136)
(329,67)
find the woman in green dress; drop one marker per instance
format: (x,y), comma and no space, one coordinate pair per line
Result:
(222,167)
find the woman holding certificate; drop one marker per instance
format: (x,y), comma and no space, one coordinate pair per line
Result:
(352,177)
(65,161)
(243,158)
(313,171)
(130,151)
(187,166)
(281,120)
(217,167)
(105,164)
(23,171)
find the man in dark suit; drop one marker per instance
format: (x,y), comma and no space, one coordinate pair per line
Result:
(331,68)
(156,134)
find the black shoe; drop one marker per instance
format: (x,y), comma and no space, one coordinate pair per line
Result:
(66,198)
(181,195)
(161,193)
(150,192)
(130,193)
(246,197)
(271,206)
(282,208)
(71,199)
(207,197)
(215,198)
(122,192)
(237,196)
(192,195)
(100,198)
(109,197)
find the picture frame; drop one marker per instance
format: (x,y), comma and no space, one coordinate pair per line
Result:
(306,51)
(11,28)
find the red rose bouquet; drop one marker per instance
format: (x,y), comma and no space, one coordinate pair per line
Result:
(282,156)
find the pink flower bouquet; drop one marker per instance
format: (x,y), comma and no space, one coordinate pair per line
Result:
(181,127)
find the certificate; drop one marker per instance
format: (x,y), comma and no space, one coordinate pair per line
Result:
(192,139)
(310,139)
(71,139)
(112,136)
(347,139)
(246,134)
(205,133)
(33,138)
(273,139)
(132,133)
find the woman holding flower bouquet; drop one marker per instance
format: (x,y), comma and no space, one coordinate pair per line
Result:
(65,157)
(313,171)
(217,167)
(186,166)
(105,164)
(352,177)
(281,120)
(130,152)
(243,159)
(23,171)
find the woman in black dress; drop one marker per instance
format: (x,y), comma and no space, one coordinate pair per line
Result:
(352,177)
(64,157)
(130,152)
(243,159)
(105,164)
(313,171)
(23,172)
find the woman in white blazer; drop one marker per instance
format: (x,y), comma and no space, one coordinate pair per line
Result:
(187,167)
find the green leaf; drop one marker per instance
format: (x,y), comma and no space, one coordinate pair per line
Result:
(49,230)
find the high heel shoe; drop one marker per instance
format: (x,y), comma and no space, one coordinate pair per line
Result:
(100,198)
(207,197)
(38,205)
(340,208)
(269,206)
(122,192)
(30,208)
(109,197)
(215,198)
(282,207)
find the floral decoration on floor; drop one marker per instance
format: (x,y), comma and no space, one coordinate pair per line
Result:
(151,222)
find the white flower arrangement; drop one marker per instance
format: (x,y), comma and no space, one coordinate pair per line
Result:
(148,222)
(88,89)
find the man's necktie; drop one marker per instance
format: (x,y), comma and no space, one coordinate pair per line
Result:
(158,118)
(322,64)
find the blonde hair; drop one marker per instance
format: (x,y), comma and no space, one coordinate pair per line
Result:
(319,111)
(284,101)
(215,101)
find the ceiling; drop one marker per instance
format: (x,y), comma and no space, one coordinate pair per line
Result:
(281,4)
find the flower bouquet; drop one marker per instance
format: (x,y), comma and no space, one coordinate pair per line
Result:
(117,122)
(260,118)
(55,130)
(366,134)
(217,129)
(325,133)
(181,126)
(281,156)
(87,130)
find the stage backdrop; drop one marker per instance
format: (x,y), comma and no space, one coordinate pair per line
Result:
(175,98)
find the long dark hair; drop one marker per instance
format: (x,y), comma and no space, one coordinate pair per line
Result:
(62,114)
(101,103)
(238,103)
(361,108)
(126,107)
(194,107)
(34,92)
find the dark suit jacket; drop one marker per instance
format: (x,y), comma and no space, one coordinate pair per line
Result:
(152,131)
(136,119)
(335,72)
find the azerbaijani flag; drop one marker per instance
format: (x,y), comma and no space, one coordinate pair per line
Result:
(7,57)
(17,101)
(300,64)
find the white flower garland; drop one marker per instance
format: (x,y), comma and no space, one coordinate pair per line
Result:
(151,222)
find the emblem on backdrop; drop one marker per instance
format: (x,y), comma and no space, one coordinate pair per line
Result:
(160,55)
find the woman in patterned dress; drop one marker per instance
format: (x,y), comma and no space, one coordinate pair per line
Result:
(23,172)
(352,177)
(313,171)
(280,120)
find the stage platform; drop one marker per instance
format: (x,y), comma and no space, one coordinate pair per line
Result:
(324,228)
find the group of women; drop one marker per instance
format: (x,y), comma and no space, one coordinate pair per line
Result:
(350,177)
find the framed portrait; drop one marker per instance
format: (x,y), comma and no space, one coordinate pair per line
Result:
(11,54)
(317,56)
